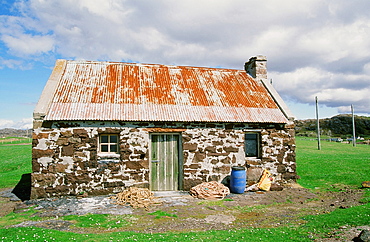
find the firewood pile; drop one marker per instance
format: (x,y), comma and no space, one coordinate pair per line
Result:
(210,190)
(136,197)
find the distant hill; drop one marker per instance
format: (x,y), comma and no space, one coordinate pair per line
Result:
(7,132)
(339,126)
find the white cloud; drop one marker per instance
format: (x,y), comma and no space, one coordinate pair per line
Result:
(20,124)
(6,123)
(26,44)
(333,89)
(9,63)
(334,42)
(314,48)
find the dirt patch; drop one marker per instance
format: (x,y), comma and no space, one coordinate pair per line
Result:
(8,201)
(16,144)
(251,209)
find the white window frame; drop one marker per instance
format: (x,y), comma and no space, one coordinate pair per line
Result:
(109,143)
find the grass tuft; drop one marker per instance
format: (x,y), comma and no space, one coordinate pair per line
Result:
(97,220)
(162,214)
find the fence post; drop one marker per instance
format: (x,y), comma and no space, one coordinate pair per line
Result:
(353,127)
(318,125)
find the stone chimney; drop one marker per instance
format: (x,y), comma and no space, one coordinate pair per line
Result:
(256,67)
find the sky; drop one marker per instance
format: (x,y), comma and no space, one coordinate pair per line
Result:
(314,48)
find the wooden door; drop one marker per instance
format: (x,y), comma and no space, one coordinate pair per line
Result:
(165,165)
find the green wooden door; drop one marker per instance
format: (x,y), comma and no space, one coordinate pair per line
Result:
(165,163)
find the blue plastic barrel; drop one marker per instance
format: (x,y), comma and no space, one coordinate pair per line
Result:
(238,179)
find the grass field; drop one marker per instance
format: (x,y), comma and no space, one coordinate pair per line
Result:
(15,160)
(334,166)
(335,163)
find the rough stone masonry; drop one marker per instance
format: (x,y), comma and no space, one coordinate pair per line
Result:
(66,161)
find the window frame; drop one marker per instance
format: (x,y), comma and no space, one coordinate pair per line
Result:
(257,147)
(108,143)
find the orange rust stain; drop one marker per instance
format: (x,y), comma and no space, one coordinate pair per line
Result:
(137,84)
(196,92)
(111,82)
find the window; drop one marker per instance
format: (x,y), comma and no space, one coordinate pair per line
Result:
(108,143)
(252,144)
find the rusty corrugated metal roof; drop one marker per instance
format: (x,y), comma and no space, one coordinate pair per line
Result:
(146,92)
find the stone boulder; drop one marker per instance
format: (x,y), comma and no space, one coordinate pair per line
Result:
(364,236)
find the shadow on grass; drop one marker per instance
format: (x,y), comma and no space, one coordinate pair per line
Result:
(23,189)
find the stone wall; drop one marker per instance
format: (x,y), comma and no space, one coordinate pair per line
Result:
(66,161)
(278,155)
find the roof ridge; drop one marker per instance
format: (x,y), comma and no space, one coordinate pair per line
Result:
(148,64)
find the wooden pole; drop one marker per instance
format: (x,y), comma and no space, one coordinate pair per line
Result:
(318,125)
(353,127)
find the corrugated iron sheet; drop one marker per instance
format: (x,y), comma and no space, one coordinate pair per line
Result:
(141,92)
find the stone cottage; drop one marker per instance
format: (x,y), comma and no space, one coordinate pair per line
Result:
(101,127)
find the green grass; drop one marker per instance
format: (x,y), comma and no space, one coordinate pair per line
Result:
(219,203)
(17,218)
(97,220)
(38,234)
(335,165)
(331,168)
(354,216)
(15,160)
(253,234)
(162,214)
(319,226)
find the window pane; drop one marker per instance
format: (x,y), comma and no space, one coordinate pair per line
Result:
(113,148)
(113,139)
(104,139)
(251,136)
(251,145)
(104,148)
